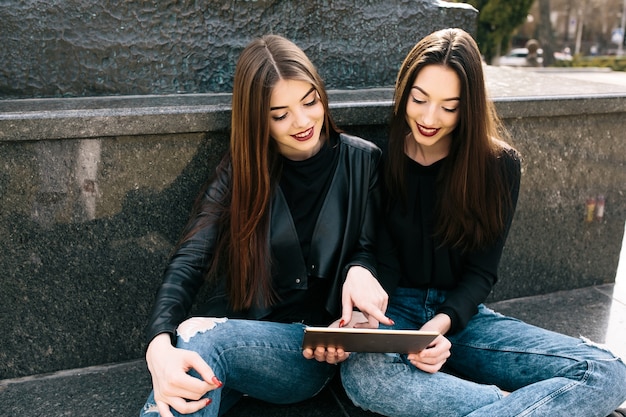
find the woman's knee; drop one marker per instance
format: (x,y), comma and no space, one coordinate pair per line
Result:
(613,377)
(606,372)
(363,373)
(353,372)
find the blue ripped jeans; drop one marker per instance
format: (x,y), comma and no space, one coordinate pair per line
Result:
(258,358)
(548,374)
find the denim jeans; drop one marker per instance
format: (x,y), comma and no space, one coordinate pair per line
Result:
(257,358)
(548,374)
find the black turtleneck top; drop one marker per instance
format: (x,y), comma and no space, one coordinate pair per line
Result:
(304,185)
(409,255)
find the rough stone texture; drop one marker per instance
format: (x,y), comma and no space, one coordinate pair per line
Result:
(571,137)
(567,160)
(76,48)
(87,226)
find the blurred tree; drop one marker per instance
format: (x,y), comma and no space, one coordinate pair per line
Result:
(546,36)
(497,20)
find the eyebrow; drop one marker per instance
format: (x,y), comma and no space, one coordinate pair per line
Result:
(428,95)
(303,97)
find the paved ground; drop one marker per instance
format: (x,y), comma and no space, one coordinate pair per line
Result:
(595,75)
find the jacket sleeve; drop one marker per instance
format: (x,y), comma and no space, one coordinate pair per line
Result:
(364,253)
(388,267)
(480,268)
(185,272)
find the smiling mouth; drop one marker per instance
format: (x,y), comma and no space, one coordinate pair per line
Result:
(304,136)
(424,131)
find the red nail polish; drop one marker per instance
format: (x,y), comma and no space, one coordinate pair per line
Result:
(342,323)
(208,401)
(392,322)
(216,381)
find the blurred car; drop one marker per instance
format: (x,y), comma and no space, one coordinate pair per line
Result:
(517,57)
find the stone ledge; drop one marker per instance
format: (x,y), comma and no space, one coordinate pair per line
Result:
(516,93)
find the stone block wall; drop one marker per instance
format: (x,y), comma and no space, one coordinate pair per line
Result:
(568,160)
(79,48)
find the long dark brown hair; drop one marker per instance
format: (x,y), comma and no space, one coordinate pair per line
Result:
(474,199)
(242,250)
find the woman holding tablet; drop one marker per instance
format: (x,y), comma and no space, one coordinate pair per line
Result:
(451,187)
(283,235)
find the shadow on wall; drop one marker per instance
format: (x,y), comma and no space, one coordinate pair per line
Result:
(77,292)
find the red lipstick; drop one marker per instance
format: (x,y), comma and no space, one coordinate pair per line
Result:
(304,136)
(424,131)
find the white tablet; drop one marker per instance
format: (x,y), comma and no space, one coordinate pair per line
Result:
(367,340)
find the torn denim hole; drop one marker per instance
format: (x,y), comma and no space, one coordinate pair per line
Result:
(150,408)
(190,327)
(601,346)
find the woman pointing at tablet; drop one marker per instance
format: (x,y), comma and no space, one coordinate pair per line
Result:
(283,237)
(451,187)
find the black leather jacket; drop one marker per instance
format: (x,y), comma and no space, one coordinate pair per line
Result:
(344,236)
